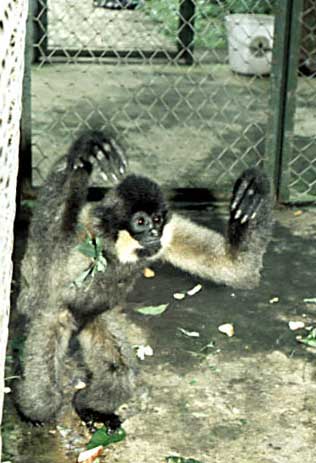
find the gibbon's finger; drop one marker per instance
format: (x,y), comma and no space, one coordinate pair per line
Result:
(122,161)
(247,201)
(239,193)
(244,193)
(252,210)
(107,165)
(110,157)
(117,160)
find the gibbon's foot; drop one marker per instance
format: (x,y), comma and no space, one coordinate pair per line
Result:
(250,192)
(110,420)
(30,421)
(107,153)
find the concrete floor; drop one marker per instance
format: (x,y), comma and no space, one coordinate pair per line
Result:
(249,399)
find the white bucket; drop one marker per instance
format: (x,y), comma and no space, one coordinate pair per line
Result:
(250,42)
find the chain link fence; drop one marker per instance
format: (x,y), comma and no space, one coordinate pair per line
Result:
(302,163)
(12,36)
(160,74)
(185,86)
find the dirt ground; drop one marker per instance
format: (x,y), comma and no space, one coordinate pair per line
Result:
(250,398)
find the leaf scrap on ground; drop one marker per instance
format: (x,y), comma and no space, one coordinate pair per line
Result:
(309,340)
(179,296)
(102,437)
(153,310)
(310,300)
(298,213)
(209,345)
(194,290)
(175,459)
(88,456)
(227,328)
(296,325)
(143,351)
(149,273)
(274,300)
(192,334)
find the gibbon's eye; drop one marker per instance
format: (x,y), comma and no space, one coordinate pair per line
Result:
(140,222)
(157,219)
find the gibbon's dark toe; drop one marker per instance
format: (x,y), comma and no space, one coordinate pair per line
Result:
(248,195)
(110,420)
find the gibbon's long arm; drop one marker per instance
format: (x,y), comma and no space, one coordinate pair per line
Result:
(235,260)
(108,155)
(66,187)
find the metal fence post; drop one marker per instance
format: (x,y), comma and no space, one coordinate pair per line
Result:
(186,30)
(280,129)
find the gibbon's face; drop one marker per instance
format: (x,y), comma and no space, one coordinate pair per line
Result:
(147,230)
(145,213)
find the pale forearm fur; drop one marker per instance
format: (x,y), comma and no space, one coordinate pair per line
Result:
(206,253)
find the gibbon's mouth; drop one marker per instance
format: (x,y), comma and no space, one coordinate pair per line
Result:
(151,243)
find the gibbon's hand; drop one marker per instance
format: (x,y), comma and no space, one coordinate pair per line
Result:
(107,153)
(251,191)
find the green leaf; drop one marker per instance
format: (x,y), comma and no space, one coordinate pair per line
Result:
(310,339)
(82,277)
(181,460)
(87,249)
(98,246)
(153,310)
(101,264)
(309,342)
(103,437)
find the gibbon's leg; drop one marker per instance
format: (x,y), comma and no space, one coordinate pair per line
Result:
(111,160)
(110,373)
(237,259)
(39,393)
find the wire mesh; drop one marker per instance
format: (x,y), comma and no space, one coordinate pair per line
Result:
(302,163)
(160,75)
(12,30)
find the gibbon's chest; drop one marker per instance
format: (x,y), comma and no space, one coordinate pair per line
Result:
(100,275)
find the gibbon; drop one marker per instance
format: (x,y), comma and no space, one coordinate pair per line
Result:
(83,258)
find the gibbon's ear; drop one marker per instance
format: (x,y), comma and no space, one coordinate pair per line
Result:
(108,219)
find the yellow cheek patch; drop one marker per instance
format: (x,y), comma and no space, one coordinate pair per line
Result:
(126,247)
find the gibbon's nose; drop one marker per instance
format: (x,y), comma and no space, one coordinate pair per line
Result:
(154,232)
